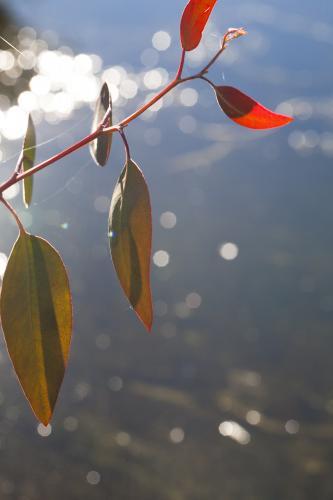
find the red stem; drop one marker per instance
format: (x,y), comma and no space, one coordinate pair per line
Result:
(16,178)
(19,176)
(146,106)
(181,65)
(14,214)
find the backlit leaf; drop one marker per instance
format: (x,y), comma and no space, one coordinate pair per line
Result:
(130,233)
(100,148)
(36,315)
(29,153)
(247,112)
(193,22)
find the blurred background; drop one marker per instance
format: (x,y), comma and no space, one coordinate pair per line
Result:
(231,397)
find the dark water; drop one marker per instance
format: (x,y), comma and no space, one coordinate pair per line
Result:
(231,397)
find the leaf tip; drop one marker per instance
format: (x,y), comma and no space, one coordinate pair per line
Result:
(148,324)
(282,121)
(289,119)
(45,420)
(145,315)
(42,413)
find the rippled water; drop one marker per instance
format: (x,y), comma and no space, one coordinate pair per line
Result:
(231,396)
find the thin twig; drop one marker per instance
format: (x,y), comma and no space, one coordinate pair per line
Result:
(181,65)
(144,108)
(212,61)
(14,214)
(18,175)
(125,141)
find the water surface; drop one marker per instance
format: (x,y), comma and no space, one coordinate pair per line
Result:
(231,396)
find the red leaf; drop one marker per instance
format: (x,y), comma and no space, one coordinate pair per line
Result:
(247,112)
(194,20)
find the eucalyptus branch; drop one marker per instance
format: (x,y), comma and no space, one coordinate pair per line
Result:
(101,129)
(83,142)
(36,277)
(212,61)
(181,65)
(19,164)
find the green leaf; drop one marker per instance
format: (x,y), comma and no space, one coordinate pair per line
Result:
(130,234)
(36,315)
(100,148)
(29,153)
